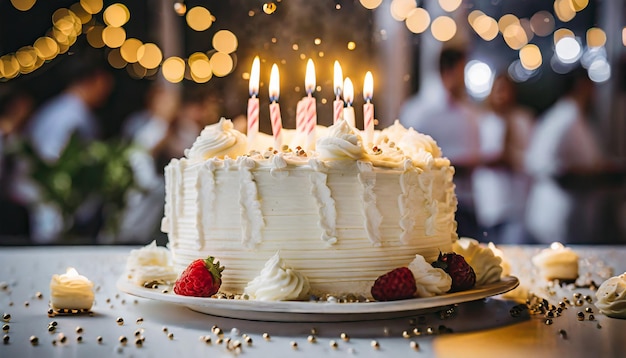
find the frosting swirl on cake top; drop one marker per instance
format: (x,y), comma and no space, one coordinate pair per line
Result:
(219,141)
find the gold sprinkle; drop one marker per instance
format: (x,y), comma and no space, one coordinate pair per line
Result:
(345,337)
(51,328)
(5,339)
(139,320)
(218,332)
(333,344)
(99,339)
(26,304)
(414,345)
(33,340)
(54,342)
(138,342)
(79,329)
(406,334)
(62,338)
(6,327)
(207,340)
(417,332)
(164,329)
(120,321)
(248,340)
(294,344)
(79,339)
(170,336)
(39,295)
(138,333)
(311,339)
(375,344)
(123,339)
(266,336)
(313,331)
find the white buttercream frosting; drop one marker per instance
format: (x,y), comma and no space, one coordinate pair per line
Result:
(557,262)
(277,282)
(341,143)
(430,281)
(505,264)
(71,291)
(150,263)
(611,297)
(486,265)
(218,140)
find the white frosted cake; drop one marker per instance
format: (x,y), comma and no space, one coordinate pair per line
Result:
(341,214)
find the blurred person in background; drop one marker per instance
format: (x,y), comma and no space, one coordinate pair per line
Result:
(452,121)
(146,130)
(70,114)
(16,105)
(564,146)
(501,184)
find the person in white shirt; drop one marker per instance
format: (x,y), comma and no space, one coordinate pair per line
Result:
(444,113)
(562,144)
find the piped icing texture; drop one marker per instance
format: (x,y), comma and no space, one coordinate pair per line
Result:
(340,213)
(150,263)
(430,281)
(486,265)
(611,297)
(277,282)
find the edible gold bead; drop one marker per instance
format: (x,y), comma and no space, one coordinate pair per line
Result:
(414,345)
(123,339)
(345,337)
(170,336)
(294,344)
(269,8)
(99,339)
(311,339)
(375,344)
(120,321)
(6,317)
(5,339)
(266,336)
(33,340)
(79,329)
(333,344)
(6,327)
(406,334)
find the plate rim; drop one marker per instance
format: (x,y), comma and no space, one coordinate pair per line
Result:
(505,284)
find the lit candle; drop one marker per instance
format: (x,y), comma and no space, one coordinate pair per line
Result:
(277,124)
(348,96)
(311,110)
(368,108)
(300,117)
(253,102)
(71,291)
(338,87)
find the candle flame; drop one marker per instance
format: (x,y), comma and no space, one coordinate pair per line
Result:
(309,79)
(71,272)
(368,87)
(338,79)
(254,77)
(348,91)
(557,246)
(274,87)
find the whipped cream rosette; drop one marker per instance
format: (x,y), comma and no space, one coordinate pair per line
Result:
(277,282)
(341,143)
(430,281)
(150,263)
(486,265)
(218,140)
(611,297)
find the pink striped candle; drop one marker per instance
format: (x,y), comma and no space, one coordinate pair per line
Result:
(275,118)
(300,116)
(309,101)
(368,108)
(338,86)
(253,103)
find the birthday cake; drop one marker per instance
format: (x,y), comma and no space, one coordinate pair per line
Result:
(339,215)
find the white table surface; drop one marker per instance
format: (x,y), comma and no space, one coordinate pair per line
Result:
(479,329)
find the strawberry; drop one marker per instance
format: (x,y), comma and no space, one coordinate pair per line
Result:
(396,284)
(463,275)
(202,278)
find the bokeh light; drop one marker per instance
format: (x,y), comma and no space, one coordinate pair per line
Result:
(530,57)
(94,36)
(351,45)
(371,4)
(596,37)
(443,28)
(515,36)
(400,9)
(561,33)
(10,66)
(116,15)
(23,5)
(173,69)
(580,5)
(225,41)
(81,13)
(115,59)
(92,6)
(478,78)
(449,5)
(114,37)
(221,63)
(542,23)
(418,20)
(46,48)
(599,70)
(129,49)
(149,56)
(26,56)
(199,18)
(568,49)
(564,10)
(486,27)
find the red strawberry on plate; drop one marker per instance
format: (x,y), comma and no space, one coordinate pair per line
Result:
(463,275)
(397,284)
(202,278)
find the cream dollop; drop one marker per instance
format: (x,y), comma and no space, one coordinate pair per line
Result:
(557,262)
(340,143)
(410,141)
(71,291)
(150,263)
(218,140)
(430,281)
(505,264)
(277,282)
(611,297)
(486,265)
